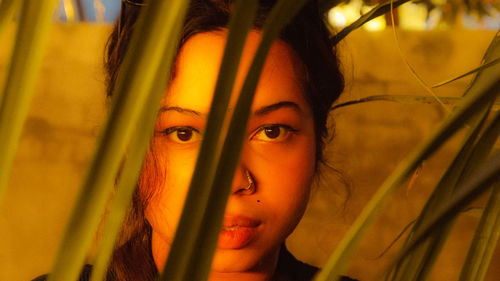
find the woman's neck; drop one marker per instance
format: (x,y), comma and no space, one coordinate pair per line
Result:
(264,271)
(240,276)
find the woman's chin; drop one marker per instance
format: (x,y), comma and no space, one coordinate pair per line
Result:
(234,260)
(250,259)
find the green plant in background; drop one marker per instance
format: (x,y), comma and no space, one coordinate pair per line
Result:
(140,86)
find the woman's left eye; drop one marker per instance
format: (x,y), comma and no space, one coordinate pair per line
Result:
(275,132)
(182,134)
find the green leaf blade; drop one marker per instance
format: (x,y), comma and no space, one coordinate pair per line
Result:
(492,242)
(25,63)
(183,249)
(419,263)
(8,8)
(487,91)
(404,99)
(475,70)
(487,175)
(281,14)
(486,237)
(132,165)
(155,27)
(377,11)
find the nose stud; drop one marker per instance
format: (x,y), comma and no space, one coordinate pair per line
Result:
(250,188)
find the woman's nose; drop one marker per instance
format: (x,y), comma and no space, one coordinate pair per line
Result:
(243,182)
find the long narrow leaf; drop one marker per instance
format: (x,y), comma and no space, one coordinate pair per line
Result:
(281,14)
(486,237)
(8,9)
(19,86)
(155,28)
(485,92)
(408,227)
(410,68)
(492,53)
(491,245)
(483,148)
(487,175)
(408,99)
(482,67)
(377,11)
(417,265)
(132,165)
(183,250)
(474,268)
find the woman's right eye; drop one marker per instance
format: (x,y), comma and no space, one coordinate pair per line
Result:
(182,134)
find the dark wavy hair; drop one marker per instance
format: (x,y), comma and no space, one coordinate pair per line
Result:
(306,34)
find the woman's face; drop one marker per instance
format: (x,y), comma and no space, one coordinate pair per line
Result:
(278,152)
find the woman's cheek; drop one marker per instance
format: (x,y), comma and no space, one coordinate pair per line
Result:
(165,208)
(290,163)
(286,181)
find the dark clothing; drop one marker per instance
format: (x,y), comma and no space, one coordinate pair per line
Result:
(291,269)
(288,269)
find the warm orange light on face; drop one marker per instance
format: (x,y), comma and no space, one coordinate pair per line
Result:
(279,152)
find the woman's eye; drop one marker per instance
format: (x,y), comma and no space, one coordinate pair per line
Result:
(273,133)
(182,134)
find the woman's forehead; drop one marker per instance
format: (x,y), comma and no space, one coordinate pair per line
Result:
(197,68)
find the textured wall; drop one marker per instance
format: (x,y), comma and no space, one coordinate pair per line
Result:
(371,139)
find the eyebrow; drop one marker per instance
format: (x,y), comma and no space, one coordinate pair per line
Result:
(259,112)
(181,110)
(275,106)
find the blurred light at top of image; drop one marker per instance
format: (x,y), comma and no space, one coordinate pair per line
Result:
(376,24)
(345,14)
(412,16)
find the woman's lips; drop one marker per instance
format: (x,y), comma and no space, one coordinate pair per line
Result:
(237,232)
